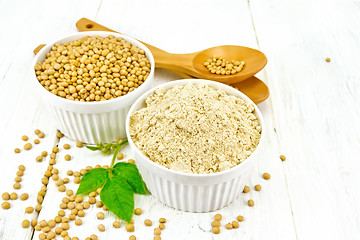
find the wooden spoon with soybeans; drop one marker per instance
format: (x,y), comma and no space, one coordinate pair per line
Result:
(193,63)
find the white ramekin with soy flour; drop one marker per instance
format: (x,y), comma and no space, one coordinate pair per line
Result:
(92,122)
(195,192)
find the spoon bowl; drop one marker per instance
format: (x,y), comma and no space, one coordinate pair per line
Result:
(254,62)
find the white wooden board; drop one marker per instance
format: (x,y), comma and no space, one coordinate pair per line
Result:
(311,115)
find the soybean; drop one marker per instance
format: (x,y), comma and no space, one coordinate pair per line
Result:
(24,196)
(93,237)
(33,222)
(13,196)
(116,224)
(59,135)
(138,211)
(130,227)
(66,146)
(27,146)
(217,217)
(78,222)
(148,222)
(5,196)
(216,230)
(5,205)
(29,209)
(101,227)
(228,226)
(235,224)
(25,224)
(120,156)
(215,224)
(157,231)
(258,187)
(100,215)
(266,176)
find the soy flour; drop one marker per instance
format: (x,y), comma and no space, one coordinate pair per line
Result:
(195,129)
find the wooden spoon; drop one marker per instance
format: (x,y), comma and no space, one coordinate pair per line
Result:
(193,63)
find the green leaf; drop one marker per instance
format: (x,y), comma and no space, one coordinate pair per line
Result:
(131,175)
(92,180)
(118,197)
(92,148)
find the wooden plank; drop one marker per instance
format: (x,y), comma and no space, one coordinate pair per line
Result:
(313,108)
(25,25)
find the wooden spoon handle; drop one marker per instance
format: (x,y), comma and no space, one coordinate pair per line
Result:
(85,24)
(163,59)
(38,48)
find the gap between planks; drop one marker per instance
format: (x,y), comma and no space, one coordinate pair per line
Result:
(98,10)
(33,228)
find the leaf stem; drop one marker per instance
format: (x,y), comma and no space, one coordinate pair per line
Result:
(116,152)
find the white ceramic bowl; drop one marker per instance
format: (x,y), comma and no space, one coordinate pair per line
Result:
(195,192)
(92,122)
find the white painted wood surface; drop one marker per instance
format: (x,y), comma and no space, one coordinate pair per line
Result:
(312,112)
